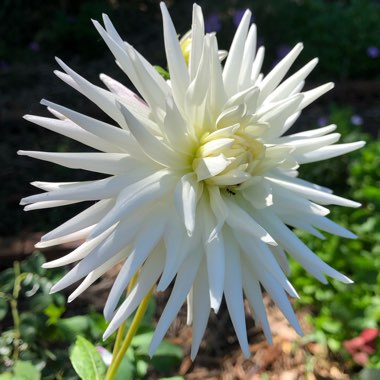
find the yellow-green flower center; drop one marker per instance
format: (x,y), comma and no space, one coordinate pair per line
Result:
(227,157)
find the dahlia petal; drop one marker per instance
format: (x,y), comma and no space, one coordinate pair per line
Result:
(179,75)
(201,307)
(279,297)
(254,295)
(142,248)
(189,303)
(187,193)
(74,236)
(147,278)
(259,254)
(175,128)
(48,204)
(216,93)
(154,148)
(312,263)
(88,191)
(117,136)
(281,258)
(259,195)
(301,222)
(218,207)
(119,238)
(311,95)
(303,146)
(327,152)
(197,36)
(278,116)
(328,225)
(69,129)
(235,55)
(96,274)
(132,100)
(306,134)
(152,87)
(257,64)
(233,292)
(132,197)
(244,80)
(270,81)
(233,177)
(288,86)
(86,218)
(313,194)
(208,167)
(106,163)
(102,98)
(239,220)
(214,249)
(185,279)
(79,253)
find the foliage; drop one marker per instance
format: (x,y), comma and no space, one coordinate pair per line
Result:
(86,360)
(38,330)
(338,32)
(343,311)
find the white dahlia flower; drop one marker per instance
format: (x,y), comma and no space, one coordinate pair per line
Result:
(201,184)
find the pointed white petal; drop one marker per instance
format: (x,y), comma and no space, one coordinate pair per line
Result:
(139,194)
(329,152)
(182,286)
(147,278)
(270,81)
(186,196)
(201,307)
(73,131)
(145,241)
(252,290)
(179,76)
(84,219)
(235,55)
(233,291)
(240,220)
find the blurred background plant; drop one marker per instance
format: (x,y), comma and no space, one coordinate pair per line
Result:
(37,327)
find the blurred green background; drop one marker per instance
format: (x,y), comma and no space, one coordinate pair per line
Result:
(345,35)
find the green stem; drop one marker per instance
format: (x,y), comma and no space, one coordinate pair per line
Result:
(19,278)
(116,360)
(120,331)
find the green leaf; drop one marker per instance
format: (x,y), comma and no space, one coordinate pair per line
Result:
(126,371)
(86,360)
(6,376)
(54,313)
(3,308)
(26,371)
(73,326)
(165,74)
(167,356)
(369,374)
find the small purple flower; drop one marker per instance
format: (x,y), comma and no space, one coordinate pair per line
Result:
(212,23)
(356,120)
(4,66)
(105,354)
(34,46)
(238,15)
(322,121)
(282,51)
(373,52)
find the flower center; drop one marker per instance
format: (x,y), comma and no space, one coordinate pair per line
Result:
(227,157)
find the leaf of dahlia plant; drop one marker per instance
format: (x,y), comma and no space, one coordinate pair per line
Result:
(201,184)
